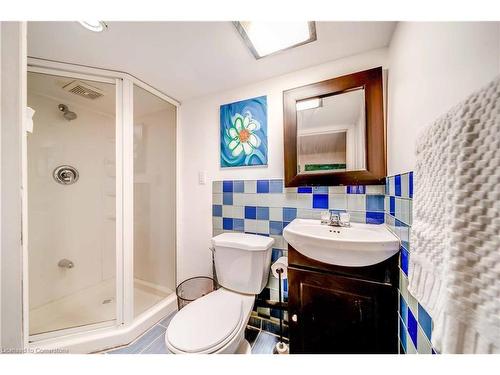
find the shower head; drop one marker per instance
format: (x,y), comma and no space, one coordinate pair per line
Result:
(68,115)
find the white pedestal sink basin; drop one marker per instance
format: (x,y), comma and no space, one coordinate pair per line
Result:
(359,245)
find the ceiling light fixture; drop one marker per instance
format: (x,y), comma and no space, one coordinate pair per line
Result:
(308,104)
(267,38)
(95,26)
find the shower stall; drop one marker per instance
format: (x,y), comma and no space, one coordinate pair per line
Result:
(99,207)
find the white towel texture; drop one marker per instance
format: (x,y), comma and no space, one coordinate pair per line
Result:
(455,236)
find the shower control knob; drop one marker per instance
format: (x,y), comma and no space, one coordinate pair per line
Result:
(65,174)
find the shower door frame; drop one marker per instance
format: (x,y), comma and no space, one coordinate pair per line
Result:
(118,330)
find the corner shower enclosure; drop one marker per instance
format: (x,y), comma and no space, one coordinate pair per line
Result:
(99,205)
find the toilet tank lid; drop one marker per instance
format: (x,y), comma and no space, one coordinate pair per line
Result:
(243,241)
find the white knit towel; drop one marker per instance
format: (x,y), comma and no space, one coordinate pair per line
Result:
(455,237)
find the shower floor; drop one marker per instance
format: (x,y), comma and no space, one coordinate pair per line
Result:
(95,304)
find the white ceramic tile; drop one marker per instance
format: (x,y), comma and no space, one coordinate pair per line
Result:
(358,217)
(316,214)
(403,285)
(405,211)
(375,189)
(290,200)
(216,232)
(276,214)
(336,190)
(216,222)
(404,185)
(423,344)
(217,198)
(265,200)
(217,187)
(304,200)
(410,348)
(238,212)
(398,208)
(337,201)
(412,304)
(278,242)
(304,213)
(250,225)
(250,186)
(356,202)
(263,226)
(227,211)
(392,186)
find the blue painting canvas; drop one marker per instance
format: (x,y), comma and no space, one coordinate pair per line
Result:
(243,133)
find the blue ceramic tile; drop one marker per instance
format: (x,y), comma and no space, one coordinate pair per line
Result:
(425,321)
(387,190)
(227,198)
(375,203)
(403,309)
(227,223)
(356,189)
(239,225)
(276,228)
(397,185)
(402,334)
(285,285)
(304,189)
(250,212)
(320,190)
(217,210)
(262,213)
(412,327)
(410,187)
(320,201)
(238,186)
(227,186)
(289,213)
(276,253)
(262,186)
(392,206)
(285,223)
(276,186)
(157,347)
(404,261)
(374,217)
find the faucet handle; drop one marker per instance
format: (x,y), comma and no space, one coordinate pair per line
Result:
(345,219)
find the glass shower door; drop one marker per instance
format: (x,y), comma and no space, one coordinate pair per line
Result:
(71,202)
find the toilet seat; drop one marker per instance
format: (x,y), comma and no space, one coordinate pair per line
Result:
(207,324)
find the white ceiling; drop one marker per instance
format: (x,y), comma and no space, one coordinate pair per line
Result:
(190,59)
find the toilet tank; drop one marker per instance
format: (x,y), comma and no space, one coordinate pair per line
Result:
(242,261)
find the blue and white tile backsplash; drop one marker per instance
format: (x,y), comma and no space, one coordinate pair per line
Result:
(415,325)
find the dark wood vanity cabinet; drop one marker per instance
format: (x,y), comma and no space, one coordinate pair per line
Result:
(336,309)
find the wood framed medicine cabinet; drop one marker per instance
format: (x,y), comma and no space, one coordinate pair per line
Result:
(332,100)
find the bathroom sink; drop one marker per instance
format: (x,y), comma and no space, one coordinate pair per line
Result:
(356,246)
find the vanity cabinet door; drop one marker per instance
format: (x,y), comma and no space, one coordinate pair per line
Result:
(336,314)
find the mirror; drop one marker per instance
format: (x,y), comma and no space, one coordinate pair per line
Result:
(334,132)
(331,133)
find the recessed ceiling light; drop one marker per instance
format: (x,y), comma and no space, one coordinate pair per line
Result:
(266,38)
(95,26)
(308,104)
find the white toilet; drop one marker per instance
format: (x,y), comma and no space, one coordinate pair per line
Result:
(216,323)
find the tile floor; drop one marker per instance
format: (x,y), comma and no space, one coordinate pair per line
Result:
(153,341)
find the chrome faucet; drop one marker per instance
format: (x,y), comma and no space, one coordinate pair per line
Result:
(334,220)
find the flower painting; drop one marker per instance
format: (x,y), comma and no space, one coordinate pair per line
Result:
(243,133)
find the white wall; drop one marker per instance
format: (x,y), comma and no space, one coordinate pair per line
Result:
(12,104)
(199,150)
(432,67)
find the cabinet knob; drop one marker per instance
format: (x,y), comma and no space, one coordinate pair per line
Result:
(294,318)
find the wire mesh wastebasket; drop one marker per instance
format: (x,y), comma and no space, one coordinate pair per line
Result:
(194,288)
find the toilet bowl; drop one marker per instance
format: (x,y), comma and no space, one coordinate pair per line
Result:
(212,324)
(216,322)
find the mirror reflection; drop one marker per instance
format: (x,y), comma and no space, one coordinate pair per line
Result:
(331,133)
